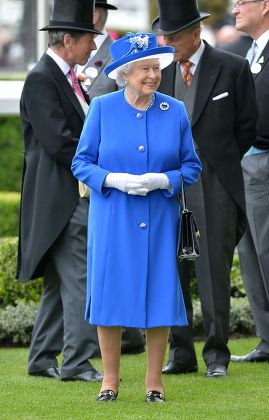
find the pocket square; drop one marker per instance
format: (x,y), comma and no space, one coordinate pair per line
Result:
(222,95)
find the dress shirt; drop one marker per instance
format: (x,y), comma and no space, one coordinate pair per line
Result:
(64,66)
(195,58)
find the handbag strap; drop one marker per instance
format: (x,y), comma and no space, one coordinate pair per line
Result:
(182,197)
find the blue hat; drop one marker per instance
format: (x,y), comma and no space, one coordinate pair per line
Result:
(136,47)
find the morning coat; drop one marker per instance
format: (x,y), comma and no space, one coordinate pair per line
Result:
(224,118)
(51,129)
(132,270)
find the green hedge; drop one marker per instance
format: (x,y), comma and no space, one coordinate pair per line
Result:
(11,154)
(19,301)
(13,291)
(9,214)
(16,322)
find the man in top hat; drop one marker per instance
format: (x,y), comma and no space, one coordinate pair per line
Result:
(217,89)
(96,83)
(253,19)
(92,76)
(53,218)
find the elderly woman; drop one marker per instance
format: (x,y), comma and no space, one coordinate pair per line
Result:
(135,146)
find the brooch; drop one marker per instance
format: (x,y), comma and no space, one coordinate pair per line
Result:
(164,106)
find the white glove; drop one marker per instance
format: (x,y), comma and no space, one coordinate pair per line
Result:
(154,181)
(131,184)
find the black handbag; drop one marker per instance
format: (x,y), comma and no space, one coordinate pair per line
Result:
(187,245)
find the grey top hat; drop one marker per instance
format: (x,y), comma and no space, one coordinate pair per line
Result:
(105,5)
(76,15)
(176,15)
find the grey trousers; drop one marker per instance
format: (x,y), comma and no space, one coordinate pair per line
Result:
(60,325)
(253,248)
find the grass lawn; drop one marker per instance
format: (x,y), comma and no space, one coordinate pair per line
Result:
(244,394)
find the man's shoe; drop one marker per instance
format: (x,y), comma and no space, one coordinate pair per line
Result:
(154,396)
(52,372)
(255,355)
(174,368)
(107,395)
(216,370)
(92,375)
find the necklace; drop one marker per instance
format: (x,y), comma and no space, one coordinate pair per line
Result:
(147,105)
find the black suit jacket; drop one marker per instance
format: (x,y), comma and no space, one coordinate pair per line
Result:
(52,120)
(261,80)
(223,129)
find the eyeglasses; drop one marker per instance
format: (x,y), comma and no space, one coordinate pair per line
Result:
(241,3)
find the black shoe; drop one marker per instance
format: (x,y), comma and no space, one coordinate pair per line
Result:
(154,396)
(216,370)
(91,375)
(255,355)
(107,395)
(52,372)
(175,368)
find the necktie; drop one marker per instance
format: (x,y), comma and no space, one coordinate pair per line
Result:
(75,85)
(251,52)
(186,73)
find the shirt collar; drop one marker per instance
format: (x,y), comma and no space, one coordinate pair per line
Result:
(261,43)
(64,66)
(195,58)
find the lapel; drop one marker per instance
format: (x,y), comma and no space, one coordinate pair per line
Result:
(63,84)
(209,71)
(101,59)
(265,55)
(167,85)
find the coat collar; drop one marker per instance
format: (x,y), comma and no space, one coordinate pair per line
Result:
(64,84)
(209,70)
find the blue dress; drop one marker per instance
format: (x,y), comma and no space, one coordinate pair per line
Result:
(132,278)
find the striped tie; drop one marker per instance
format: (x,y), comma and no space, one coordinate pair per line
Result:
(75,85)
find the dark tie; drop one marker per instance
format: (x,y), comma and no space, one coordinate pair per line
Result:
(186,73)
(75,85)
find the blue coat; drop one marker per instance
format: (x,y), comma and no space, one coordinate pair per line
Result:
(132,271)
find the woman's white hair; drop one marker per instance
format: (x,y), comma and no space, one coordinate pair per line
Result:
(121,72)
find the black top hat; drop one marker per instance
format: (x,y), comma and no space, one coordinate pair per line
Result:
(176,15)
(76,15)
(105,5)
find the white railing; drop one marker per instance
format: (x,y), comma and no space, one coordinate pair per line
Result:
(10,93)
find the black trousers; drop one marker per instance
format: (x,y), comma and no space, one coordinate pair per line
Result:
(216,215)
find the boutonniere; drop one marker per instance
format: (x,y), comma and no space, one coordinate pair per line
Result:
(256,67)
(98,63)
(83,80)
(91,72)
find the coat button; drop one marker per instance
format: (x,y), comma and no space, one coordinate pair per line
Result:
(139,115)
(141,149)
(143,225)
